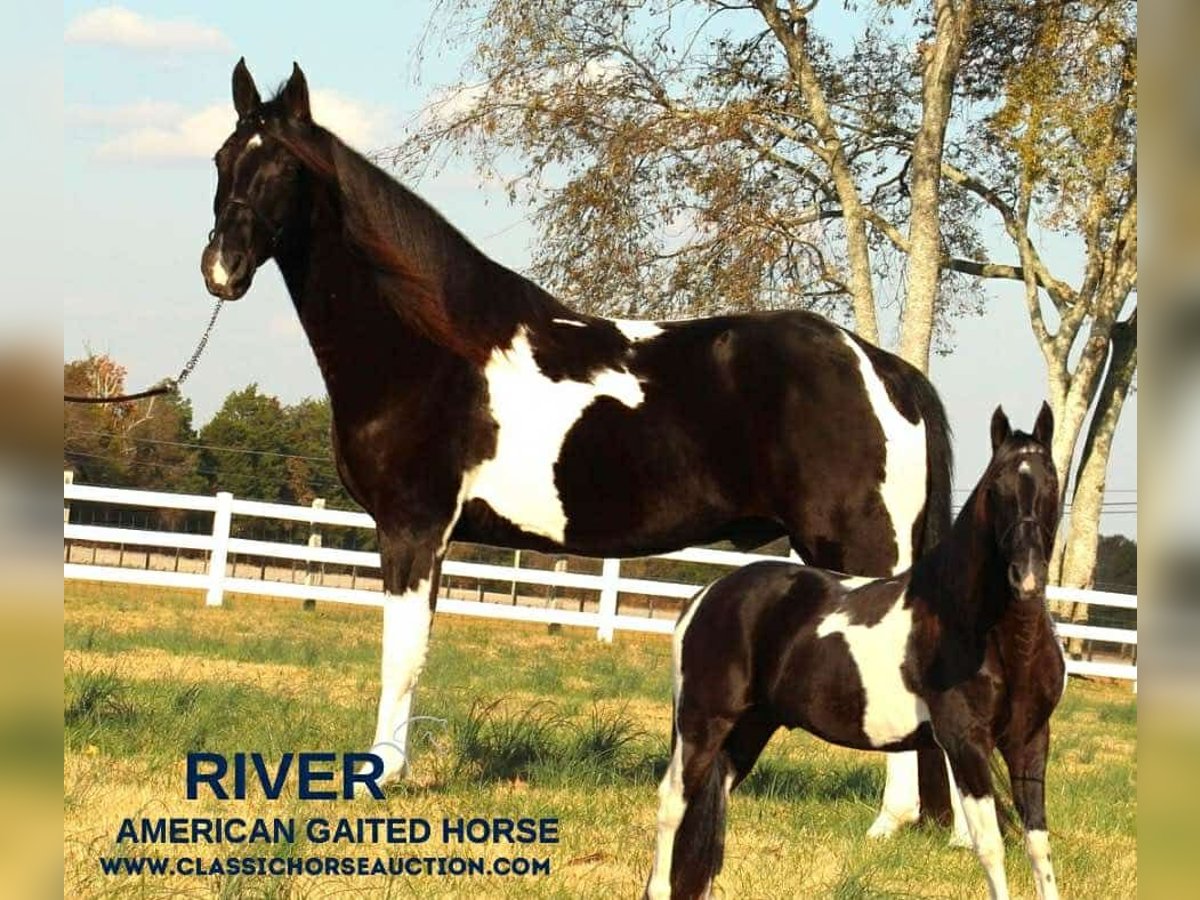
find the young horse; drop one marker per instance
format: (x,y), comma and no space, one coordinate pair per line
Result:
(959,652)
(469,404)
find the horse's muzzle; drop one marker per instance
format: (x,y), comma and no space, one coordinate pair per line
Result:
(226,275)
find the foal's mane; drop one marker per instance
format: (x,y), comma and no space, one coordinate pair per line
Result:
(408,243)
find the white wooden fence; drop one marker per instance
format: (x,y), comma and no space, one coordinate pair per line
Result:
(609,584)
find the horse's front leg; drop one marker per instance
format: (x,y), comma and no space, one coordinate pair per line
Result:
(1027,771)
(969,764)
(411,563)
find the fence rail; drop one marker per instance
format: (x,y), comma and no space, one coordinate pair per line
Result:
(610,584)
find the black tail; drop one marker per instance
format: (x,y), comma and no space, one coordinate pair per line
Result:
(939,468)
(932,783)
(699,847)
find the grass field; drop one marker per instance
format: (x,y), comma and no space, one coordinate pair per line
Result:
(526,723)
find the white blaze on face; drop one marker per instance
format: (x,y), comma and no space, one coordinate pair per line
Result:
(637,329)
(255,141)
(891,711)
(217,272)
(903,487)
(534,414)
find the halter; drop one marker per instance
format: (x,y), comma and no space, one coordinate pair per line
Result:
(272,228)
(1037,523)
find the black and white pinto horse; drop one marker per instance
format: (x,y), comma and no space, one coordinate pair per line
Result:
(468,404)
(958,653)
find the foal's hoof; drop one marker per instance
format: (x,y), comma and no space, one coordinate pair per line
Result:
(886,823)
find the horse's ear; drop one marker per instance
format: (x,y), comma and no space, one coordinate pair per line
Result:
(295,96)
(1043,429)
(1001,430)
(245,95)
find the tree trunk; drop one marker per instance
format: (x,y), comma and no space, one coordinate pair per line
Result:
(1079,560)
(953,21)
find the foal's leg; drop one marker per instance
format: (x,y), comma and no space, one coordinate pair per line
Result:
(410,569)
(1027,770)
(969,765)
(691,815)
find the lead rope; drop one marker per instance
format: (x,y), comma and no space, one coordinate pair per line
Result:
(167,385)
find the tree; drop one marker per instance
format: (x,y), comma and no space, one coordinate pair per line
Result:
(683,157)
(245,446)
(144,443)
(1063,151)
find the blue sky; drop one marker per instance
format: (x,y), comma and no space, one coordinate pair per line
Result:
(146,103)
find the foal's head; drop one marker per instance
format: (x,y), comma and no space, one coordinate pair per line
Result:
(257,182)
(1021,501)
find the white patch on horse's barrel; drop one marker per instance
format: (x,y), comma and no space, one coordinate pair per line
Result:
(574,322)
(534,414)
(903,487)
(638,329)
(891,711)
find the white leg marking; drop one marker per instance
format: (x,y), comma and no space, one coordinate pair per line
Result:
(671,805)
(406,621)
(980,813)
(901,799)
(961,835)
(670,814)
(534,414)
(1037,846)
(892,712)
(904,454)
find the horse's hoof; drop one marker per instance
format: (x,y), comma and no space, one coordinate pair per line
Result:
(962,840)
(886,824)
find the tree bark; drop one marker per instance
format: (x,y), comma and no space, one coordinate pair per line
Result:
(1079,560)
(952,23)
(791,35)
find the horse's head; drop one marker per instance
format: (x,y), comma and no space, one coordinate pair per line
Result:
(258,182)
(1023,501)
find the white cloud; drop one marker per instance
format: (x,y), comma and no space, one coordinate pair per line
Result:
(129,115)
(116,26)
(166,132)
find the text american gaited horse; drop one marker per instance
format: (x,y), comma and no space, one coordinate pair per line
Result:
(959,652)
(469,404)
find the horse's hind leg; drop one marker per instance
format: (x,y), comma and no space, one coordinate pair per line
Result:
(745,744)
(691,815)
(901,803)
(1027,771)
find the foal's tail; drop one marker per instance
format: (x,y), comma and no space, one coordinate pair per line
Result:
(700,841)
(939,467)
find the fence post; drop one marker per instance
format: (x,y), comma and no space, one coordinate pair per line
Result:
(609,574)
(314,540)
(516,570)
(222,518)
(68,479)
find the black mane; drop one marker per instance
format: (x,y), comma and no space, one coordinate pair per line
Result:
(428,271)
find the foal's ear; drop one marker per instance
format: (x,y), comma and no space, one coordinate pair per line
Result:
(1001,430)
(245,95)
(1043,429)
(295,96)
